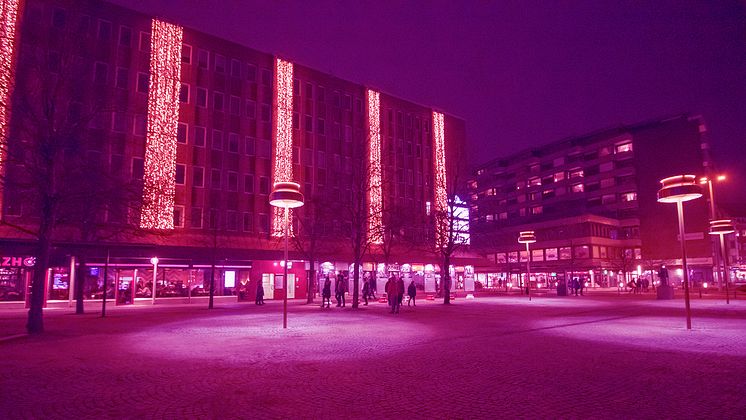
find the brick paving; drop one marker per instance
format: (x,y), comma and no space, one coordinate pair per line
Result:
(493,357)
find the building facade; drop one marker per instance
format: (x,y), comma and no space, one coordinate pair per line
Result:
(165,142)
(592,202)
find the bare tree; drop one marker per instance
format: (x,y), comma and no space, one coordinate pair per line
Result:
(52,107)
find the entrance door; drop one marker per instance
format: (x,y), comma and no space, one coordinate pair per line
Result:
(125,284)
(291,286)
(268,286)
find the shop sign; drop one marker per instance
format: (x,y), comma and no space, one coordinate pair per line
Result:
(17,261)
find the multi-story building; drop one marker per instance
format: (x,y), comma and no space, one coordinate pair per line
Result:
(165,142)
(592,202)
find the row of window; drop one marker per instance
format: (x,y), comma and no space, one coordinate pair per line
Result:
(230,220)
(594,201)
(569,253)
(620,148)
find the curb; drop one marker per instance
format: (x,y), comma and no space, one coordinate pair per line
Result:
(12,337)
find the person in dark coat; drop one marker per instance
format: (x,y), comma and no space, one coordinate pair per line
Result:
(399,292)
(326,293)
(412,292)
(391,293)
(366,290)
(259,293)
(341,288)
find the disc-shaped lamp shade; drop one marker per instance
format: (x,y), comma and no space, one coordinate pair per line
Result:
(526,237)
(286,195)
(679,188)
(721,227)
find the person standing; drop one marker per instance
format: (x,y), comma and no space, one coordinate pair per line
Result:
(412,292)
(259,293)
(366,290)
(391,290)
(341,289)
(399,293)
(326,293)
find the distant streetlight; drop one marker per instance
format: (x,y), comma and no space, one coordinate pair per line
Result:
(713,213)
(154,261)
(286,195)
(527,237)
(721,228)
(677,189)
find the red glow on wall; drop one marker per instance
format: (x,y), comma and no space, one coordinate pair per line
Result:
(8,17)
(282,170)
(441,195)
(375,193)
(163,119)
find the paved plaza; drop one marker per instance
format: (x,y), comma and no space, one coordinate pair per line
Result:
(610,356)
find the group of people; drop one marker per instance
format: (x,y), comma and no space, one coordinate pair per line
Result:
(638,286)
(576,285)
(395,293)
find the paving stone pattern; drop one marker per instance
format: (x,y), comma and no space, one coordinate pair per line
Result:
(493,357)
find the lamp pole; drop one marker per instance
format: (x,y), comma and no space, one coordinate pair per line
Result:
(721,228)
(713,215)
(677,189)
(286,195)
(527,237)
(154,261)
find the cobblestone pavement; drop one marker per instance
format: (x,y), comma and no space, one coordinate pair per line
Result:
(493,357)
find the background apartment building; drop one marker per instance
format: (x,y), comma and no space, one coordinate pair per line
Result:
(592,202)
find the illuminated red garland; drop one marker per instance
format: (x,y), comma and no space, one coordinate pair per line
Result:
(8,14)
(163,120)
(283,127)
(441,198)
(375,194)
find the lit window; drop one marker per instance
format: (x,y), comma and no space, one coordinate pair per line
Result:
(535,181)
(559,176)
(537,210)
(629,196)
(624,147)
(575,173)
(577,188)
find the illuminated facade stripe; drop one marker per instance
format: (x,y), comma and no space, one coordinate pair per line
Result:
(8,16)
(163,119)
(375,193)
(282,170)
(441,195)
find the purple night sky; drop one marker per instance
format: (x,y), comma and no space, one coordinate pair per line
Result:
(522,73)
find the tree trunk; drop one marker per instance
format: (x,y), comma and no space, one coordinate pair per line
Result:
(80,285)
(310,281)
(35,323)
(356,282)
(446,286)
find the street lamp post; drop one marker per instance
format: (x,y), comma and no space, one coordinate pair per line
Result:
(713,214)
(527,237)
(286,195)
(154,261)
(721,228)
(678,189)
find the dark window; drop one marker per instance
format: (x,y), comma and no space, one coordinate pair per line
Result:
(235,107)
(142,82)
(219,63)
(248,183)
(203,59)
(251,73)
(201,97)
(250,109)
(232,181)
(250,144)
(248,222)
(181,133)
(125,36)
(215,179)
(198,176)
(104,30)
(235,68)
(186,54)
(199,136)
(184,93)
(217,140)
(196,219)
(217,99)
(233,142)
(99,74)
(144,41)
(122,78)
(263,185)
(180,174)
(138,168)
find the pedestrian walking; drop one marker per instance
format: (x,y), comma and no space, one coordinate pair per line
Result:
(576,285)
(326,293)
(366,290)
(412,292)
(259,293)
